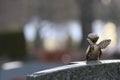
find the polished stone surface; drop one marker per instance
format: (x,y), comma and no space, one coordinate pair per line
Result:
(100,70)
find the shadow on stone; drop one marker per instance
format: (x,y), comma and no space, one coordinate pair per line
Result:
(93,62)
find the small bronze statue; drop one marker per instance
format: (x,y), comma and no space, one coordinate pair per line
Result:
(94,50)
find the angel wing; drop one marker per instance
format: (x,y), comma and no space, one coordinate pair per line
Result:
(103,44)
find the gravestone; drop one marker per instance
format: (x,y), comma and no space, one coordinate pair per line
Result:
(93,70)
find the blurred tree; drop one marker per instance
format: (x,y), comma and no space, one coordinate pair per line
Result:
(12,45)
(37,38)
(86,18)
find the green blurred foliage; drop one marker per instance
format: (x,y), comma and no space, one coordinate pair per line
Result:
(12,45)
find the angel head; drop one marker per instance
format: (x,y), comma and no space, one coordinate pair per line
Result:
(93,37)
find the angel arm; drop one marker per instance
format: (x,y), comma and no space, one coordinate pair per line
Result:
(90,42)
(103,44)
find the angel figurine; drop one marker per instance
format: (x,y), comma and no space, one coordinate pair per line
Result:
(94,51)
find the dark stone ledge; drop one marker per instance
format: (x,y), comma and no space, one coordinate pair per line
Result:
(102,70)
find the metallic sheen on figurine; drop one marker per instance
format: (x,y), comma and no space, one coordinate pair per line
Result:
(94,51)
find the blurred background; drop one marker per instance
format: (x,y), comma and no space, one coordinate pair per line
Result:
(41,34)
